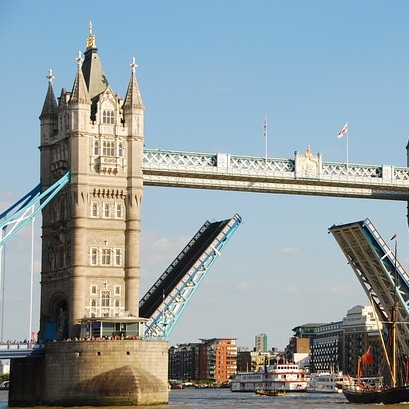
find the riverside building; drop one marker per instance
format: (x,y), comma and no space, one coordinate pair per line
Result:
(326,348)
(184,362)
(213,360)
(361,329)
(260,342)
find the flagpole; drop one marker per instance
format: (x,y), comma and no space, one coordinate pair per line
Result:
(266,134)
(344,131)
(347,149)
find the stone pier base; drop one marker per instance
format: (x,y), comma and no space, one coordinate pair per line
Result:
(92,373)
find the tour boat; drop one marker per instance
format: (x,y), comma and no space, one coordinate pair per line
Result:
(281,377)
(325,382)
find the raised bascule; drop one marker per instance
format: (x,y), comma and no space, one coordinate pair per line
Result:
(93,170)
(386,285)
(378,270)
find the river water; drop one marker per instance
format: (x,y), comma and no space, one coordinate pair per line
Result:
(225,399)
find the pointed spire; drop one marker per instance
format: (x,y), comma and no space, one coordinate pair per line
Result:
(133,98)
(92,69)
(79,92)
(50,103)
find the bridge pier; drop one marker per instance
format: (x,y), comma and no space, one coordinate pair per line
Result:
(92,373)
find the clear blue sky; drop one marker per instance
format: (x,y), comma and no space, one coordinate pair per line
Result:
(209,71)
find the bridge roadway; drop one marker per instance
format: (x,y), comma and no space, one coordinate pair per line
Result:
(306,174)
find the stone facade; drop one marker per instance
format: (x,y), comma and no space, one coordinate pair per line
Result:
(94,373)
(91,229)
(90,252)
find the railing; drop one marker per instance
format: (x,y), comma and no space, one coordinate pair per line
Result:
(21,349)
(306,174)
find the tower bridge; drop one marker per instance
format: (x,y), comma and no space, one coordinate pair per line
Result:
(90,260)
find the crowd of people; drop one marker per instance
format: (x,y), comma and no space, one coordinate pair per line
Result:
(76,339)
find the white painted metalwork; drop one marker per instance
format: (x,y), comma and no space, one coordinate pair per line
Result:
(306,174)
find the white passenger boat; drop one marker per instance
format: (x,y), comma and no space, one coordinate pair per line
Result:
(325,382)
(281,377)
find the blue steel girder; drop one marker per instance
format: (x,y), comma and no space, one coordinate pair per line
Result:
(306,174)
(28,211)
(165,317)
(23,201)
(373,262)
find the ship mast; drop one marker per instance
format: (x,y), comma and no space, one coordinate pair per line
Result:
(394,320)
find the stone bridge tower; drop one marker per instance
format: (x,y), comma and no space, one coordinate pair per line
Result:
(91,231)
(90,253)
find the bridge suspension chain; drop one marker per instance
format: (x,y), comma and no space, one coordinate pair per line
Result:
(28,211)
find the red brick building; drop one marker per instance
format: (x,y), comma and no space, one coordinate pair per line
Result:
(218,359)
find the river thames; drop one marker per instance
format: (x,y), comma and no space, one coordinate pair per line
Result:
(224,398)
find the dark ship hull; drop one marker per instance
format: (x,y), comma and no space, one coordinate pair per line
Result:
(387,396)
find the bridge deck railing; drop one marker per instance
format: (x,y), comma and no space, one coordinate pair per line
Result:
(305,174)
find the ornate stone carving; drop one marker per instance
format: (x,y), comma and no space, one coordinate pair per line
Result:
(308,164)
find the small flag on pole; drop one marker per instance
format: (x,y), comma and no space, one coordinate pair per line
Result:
(394,236)
(343,131)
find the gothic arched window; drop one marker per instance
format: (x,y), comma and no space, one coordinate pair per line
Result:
(106,257)
(94,209)
(94,256)
(107,210)
(118,257)
(96,148)
(105,299)
(118,211)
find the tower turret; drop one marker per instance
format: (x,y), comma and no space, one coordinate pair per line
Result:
(94,75)
(49,128)
(133,111)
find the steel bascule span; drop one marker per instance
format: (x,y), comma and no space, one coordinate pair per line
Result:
(373,262)
(164,303)
(306,174)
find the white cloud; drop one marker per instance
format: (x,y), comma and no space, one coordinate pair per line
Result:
(289,250)
(241,286)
